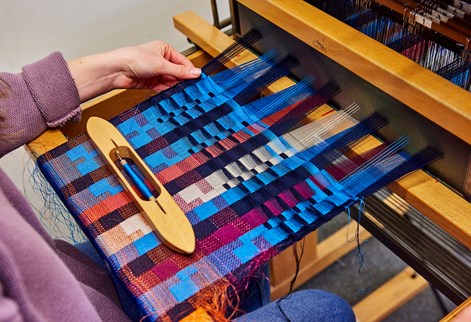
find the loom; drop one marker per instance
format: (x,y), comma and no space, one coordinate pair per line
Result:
(274,20)
(335,38)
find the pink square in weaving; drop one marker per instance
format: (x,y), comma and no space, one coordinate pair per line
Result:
(209,244)
(227,234)
(255,217)
(204,186)
(288,198)
(165,269)
(274,207)
(304,190)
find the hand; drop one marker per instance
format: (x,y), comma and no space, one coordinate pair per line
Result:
(154,65)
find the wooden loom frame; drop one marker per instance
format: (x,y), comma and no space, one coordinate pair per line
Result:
(392,295)
(443,206)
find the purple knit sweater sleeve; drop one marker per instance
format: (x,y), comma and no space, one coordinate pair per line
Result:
(42,95)
(41,280)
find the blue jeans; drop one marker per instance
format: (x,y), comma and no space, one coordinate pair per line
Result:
(306,305)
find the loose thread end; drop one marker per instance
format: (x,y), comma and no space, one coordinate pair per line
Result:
(359,254)
(217,302)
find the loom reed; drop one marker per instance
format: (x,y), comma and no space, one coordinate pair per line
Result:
(444,49)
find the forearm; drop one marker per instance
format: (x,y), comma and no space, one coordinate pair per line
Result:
(154,65)
(95,74)
(48,93)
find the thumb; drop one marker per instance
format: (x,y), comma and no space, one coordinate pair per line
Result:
(180,71)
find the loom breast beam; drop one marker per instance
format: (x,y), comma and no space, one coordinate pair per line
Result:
(160,211)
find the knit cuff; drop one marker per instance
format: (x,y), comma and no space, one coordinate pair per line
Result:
(53,89)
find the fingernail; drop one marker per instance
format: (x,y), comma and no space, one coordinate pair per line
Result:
(195,71)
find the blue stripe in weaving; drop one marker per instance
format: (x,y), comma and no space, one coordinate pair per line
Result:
(212,122)
(224,87)
(84,159)
(224,259)
(275,235)
(186,287)
(146,243)
(199,132)
(319,195)
(104,186)
(248,250)
(208,124)
(206,208)
(306,214)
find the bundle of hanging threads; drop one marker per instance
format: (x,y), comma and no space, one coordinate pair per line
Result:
(408,27)
(250,179)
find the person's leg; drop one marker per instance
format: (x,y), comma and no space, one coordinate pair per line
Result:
(306,305)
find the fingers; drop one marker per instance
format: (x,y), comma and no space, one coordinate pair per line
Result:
(179,66)
(154,65)
(179,71)
(176,57)
(464,315)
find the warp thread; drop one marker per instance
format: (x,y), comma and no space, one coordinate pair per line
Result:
(53,215)
(297,258)
(359,255)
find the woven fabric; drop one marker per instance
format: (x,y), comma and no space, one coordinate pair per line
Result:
(248,190)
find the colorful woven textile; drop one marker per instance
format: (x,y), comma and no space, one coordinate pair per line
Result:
(249,186)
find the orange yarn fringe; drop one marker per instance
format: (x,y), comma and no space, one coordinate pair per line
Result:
(213,304)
